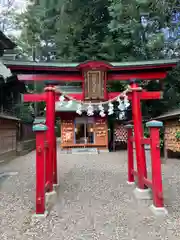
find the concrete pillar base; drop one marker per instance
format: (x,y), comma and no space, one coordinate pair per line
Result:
(142,193)
(51,197)
(55,186)
(158,211)
(130,183)
(40,216)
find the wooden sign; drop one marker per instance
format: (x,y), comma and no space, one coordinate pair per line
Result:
(101,128)
(94,85)
(67,131)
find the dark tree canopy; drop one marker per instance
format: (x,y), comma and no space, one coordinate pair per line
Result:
(112,30)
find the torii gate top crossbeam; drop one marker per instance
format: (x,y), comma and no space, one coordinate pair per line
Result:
(94,75)
(68,72)
(113,66)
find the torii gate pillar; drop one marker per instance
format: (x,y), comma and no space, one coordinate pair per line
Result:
(50,122)
(51,159)
(138,134)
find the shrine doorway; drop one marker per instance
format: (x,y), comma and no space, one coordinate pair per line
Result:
(84,131)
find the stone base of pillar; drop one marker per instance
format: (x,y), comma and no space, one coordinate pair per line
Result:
(142,193)
(55,186)
(51,198)
(130,183)
(158,211)
(40,216)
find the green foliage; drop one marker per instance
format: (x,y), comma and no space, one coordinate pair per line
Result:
(178,135)
(79,30)
(24,111)
(96,29)
(140,42)
(146,132)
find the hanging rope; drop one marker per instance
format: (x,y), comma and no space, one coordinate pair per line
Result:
(121,95)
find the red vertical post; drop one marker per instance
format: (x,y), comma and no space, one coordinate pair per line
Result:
(142,145)
(55,180)
(50,121)
(137,120)
(40,130)
(130,154)
(105,85)
(157,189)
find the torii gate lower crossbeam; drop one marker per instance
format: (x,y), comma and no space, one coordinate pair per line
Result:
(49,98)
(135,96)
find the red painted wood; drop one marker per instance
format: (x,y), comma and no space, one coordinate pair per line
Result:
(105,87)
(83,87)
(100,65)
(143,95)
(150,95)
(49,77)
(138,134)
(130,157)
(46,68)
(36,97)
(142,76)
(157,188)
(144,168)
(79,78)
(135,173)
(50,121)
(41,68)
(47,184)
(148,183)
(40,97)
(145,141)
(40,173)
(55,177)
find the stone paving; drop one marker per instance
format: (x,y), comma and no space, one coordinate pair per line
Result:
(93,201)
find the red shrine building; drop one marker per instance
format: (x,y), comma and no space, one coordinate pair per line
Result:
(79,131)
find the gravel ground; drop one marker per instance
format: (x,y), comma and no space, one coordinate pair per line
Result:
(93,201)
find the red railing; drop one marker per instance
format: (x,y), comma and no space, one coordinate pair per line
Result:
(156,182)
(45,155)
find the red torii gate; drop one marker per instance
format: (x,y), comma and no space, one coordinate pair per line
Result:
(79,73)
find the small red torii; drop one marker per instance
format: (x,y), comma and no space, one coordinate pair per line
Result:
(84,73)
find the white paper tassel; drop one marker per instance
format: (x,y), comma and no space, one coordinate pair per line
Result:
(121,106)
(102,114)
(69,104)
(121,115)
(101,108)
(79,109)
(126,102)
(110,109)
(61,100)
(90,110)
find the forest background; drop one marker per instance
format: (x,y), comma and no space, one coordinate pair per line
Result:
(110,30)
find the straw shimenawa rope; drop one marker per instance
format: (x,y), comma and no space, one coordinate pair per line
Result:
(121,95)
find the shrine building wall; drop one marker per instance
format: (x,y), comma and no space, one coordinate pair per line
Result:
(95,132)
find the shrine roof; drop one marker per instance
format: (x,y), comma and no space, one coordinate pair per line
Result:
(4,116)
(69,89)
(64,108)
(59,66)
(5,42)
(172,114)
